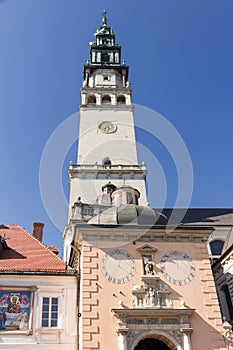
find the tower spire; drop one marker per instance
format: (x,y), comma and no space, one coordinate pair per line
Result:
(104,19)
(105,53)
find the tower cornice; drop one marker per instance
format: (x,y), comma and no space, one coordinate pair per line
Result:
(100,108)
(101,171)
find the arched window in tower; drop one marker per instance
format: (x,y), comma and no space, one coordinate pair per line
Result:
(216,247)
(107,162)
(106,99)
(91,99)
(121,99)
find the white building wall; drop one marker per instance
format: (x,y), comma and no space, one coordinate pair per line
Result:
(98,78)
(94,145)
(62,337)
(90,189)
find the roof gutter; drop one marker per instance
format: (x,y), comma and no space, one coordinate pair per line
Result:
(40,273)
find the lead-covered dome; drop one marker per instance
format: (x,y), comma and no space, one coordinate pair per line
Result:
(126,214)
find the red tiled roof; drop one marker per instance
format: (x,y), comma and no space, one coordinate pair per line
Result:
(26,253)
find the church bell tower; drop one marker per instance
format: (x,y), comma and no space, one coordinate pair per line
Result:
(140,286)
(106,144)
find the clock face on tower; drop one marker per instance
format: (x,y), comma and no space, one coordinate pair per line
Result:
(107,127)
(177,267)
(118,266)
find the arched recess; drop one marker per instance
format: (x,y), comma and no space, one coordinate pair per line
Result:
(169,341)
(151,344)
(107,162)
(106,99)
(121,99)
(91,99)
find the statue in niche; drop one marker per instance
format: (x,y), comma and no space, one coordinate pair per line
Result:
(149,266)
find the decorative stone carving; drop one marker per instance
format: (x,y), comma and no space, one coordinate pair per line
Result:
(170,325)
(132,336)
(151,294)
(228,334)
(177,335)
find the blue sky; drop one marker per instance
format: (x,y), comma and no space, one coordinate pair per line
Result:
(180,55)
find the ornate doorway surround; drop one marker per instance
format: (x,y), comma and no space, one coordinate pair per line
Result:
(171,326)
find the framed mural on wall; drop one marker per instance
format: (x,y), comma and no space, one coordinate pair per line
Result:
(16,305)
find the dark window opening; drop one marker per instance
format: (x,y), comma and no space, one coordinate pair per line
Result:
(105,57)
(106,99)
(121,99)
(91,99)
(228,300)
(216,247)
(107,162)
(129,198)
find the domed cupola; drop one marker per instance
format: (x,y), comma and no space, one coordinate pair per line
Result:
(125,195)
(127,214)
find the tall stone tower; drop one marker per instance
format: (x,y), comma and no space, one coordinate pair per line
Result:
(140,286)
(106,147)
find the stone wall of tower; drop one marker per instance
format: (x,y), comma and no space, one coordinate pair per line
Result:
(95,145)
(89,189)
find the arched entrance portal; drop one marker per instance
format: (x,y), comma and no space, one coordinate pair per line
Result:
(151,344)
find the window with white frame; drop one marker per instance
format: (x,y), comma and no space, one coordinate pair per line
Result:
(50,312)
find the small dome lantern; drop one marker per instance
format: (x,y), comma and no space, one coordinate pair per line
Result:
(125,195)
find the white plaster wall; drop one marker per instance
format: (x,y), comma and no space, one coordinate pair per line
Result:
(97,79)
(95,145)
(90,189)
(46,339)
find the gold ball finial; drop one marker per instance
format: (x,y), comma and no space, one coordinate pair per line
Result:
(104,19)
